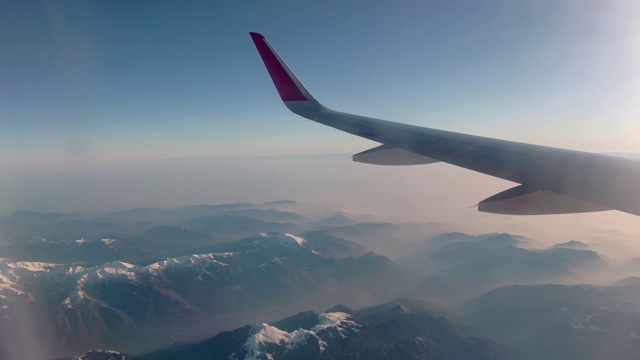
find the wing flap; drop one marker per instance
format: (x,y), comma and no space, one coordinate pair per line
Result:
(385,155)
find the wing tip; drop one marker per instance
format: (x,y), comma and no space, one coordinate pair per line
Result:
(288,85)
(256,36)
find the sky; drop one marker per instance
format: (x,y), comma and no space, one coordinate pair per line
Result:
(107,105)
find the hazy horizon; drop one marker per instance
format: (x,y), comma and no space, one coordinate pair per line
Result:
(112,105)
(419,194)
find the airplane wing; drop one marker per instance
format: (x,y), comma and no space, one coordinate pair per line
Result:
(553,180)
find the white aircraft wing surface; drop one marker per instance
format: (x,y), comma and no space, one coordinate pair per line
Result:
(553,180)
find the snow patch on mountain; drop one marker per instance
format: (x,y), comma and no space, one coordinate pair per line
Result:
(109,242)
(339,320)
(201,260)
(585,323)
(283,239)
(13,275)
(109,271)
(113,269)
(136,274)
(264,335)
(101,354)
(287,240)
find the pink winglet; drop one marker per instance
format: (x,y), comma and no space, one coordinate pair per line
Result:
(285,85)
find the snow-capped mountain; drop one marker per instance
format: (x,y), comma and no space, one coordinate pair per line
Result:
(265,341)
(16,279)
(99,355)
(398,330)
(146,279)
(123,305)
(136,235)
(265,241)
(333,246)
(19,314)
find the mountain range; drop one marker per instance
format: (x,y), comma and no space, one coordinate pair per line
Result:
(561,321)
(402,329)
(122,305)
(512,322)
(457,266)
(144,281)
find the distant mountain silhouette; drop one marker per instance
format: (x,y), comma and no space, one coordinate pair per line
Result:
(561,321)
(460,269)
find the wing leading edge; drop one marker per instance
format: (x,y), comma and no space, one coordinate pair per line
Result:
(554,180)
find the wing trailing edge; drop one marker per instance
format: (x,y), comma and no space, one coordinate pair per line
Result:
(385,155)
(523,200)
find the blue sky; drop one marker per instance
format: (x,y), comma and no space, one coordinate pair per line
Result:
(87,87)
(119,79)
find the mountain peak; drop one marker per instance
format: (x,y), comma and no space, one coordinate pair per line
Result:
(342,308)
(265,339)
(573,244)
(264,334)
(339,320)
(280,240)
(629,280)
(286,239)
